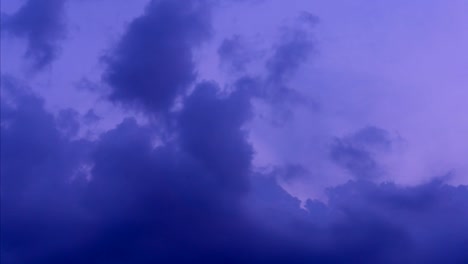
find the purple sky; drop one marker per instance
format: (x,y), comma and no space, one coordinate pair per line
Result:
(320,119)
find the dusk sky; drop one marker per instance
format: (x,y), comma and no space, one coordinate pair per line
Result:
(234,131)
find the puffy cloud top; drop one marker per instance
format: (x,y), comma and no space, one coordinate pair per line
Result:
(153,62)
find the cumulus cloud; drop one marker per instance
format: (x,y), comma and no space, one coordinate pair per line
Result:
(186,202)
(38,163)
(424,223)
(153,62)
(185,192)
(194,197)
(211,130)
(42,24)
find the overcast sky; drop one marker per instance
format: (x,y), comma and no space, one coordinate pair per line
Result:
(173,130)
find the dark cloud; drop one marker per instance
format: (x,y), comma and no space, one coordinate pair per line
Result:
(233,54)
(153,63)
(194,198)
(184,202)
(42,24)
(210,129)
(272,206)
(289,54)
(290,172)
(37,166)
(364,222)
(292,50)
(359,162)
(429,218)
(357,152)
(169,201)
(180,196)
(372,137)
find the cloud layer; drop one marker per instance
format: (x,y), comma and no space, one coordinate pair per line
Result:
(185,188)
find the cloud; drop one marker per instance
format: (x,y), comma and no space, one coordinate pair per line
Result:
(38,163)
(281,61)
(291,172)
(42,24)
(233,54)
(183,203)
(429,217)
(166,196)
(364,222)
(193,197)
(291,51)
(153,62)
(289,54)
(178,195)
(211,130)
(357,152)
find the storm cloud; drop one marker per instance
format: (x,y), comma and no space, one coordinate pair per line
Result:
(153,62)
(187,202)
(186,188)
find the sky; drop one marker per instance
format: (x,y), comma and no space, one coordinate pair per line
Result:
(234,131)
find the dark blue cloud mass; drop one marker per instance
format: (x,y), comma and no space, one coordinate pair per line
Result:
(210,129)
(38,164)
(153,62)
(42,24)
(195,195)
(190,201)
